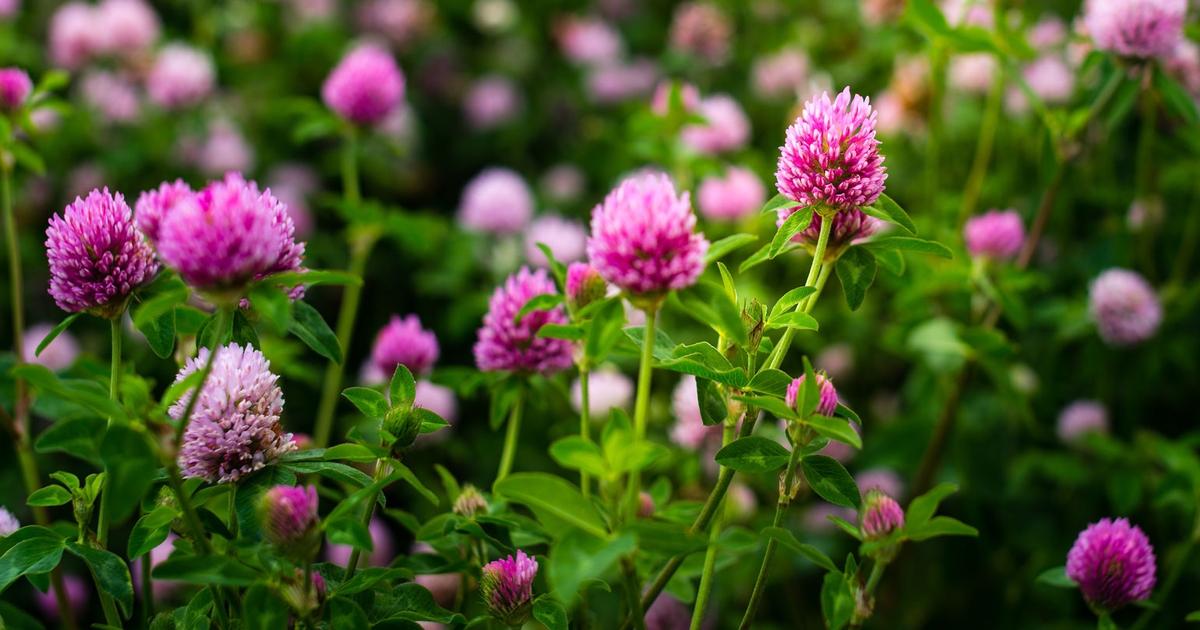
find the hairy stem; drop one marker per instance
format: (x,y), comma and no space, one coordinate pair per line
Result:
(633,591)
(710,556)
(760,585)
(114,384)
(511,437)
(381,471)
(585,430)
(775,359)
(641,409)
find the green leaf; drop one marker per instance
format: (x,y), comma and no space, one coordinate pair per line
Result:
(910,244)
(109,572)
(151,531)
(56,331)
(221,570)
(263,610)
(888,210)
(890,260)
(561,331)
(604,331)
(771,382)
(131,466)
(809,396)
(338,472)
(1176,97)
(939,526)
(835,429)
(504,396)
(576,453)
(557,268)
(1105,622)
(790,299)
(160,334)
(369,577)
(1056,577)
(922,508)
(27,157)
(856,271)
(77,436)
(403,387)
(273,304)
(87,394)
(712,406)
(829,479)
(30,556)
(311,328)
(312,277)
(353,453)
(845,412)
(837,601)
(430,421)
(16,619)
(1193,616)
(49,496)
(795,319)
(777,203)
(719,249)
(371,403)
(551,495)
(345,613)
(242,331)
(753,455)
(772,404)
(540,302)
(709,304)
(349,530)
(408,475)
(787,539)
(550,613)
(796,223)
(760,256)
(576,557)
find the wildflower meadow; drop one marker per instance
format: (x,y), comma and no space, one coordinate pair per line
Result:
(599,314)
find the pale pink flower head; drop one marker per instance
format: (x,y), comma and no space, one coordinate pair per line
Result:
(643,239)
(883,479)
(401,21)
(234,429)
(1136,28)
(1050,78)
(780,74)
(181,77)
(995,235)
(384,543)
(566,238)
(126,26)
(1113,563)
(737,195)
(290,520)
(850,227)
(8,523)
(97,256)
(492,101)
(438,399)
(227,235)
(59,355)
(74,36)
(831,155)
(514,346)
(589,40)
(726,126)
(881,515)
(828,402)
(972,73)
(689,431)
(404,342)
(224,149)
(660,103)
(9,8)
(878,12)
(1124,306)
(1080,418)
(608,389)
(78,593)
(702,30)
(15,87)
(563,183)
(113,96)
(1049,32)
(365,86)
(623,81)
(836,360)
(507,588)
(443,586)
(292,184)
(1184,65)
(497,201)
(584,285)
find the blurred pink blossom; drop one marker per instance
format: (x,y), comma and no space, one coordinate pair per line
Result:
(780,74)
(59,355)
(73,37)
(739,194)
(563,183)
(492,101)
(727,127)
(224,150)
(972,73)
(589,40)
(401,21)
(113,97)
(181,77)
(9,8)
(702,30)
(566,239)
(78,593)
(126,26)
(618,82)
(660,104)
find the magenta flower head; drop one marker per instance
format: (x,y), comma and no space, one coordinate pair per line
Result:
(514,346)
(15,87)
(224,236)
(737,195)
(1124,306)
(1136,28)
(849,228)
(153,205)
(584,285)
(181,77)
(290,521)
(507,588)
(831,156)
(365,86)
(234,429)
(994,235)
(8,522)
(828,395)
(1080,418)
(497,201)
(404,342)
(97,256)
(643,238)
(1113,563)
(881,516)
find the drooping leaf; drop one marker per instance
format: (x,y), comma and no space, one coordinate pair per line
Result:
(788,539)
(777,203)
(370,402)
(888,210)
(721,248)
(856,271)
(939,526)
(771,382)
(835,429)
(796,223)
(49,496)
(790,299)
(213,569)
(109,572)
(554,496)
(1056,577)
(311,328)
(712,406)
(55,332)
(909,244)
(753,454)
(829,479)
(550,613)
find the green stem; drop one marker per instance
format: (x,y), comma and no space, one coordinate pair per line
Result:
(876,573)
(814,270)
(381,471)
(710,556)
(764,572)
(1191,231)
(350,168)
(938,56)
(585,430)
(14,271)
(641,408)
(983,151)
(111,617)
(633,591)
(147,589)
(511,436)
(222,321)
(190,516)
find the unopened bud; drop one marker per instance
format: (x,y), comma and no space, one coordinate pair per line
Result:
(584,285)
(404,425)
(645,505)
(290,521)
(754,317)
(470,502)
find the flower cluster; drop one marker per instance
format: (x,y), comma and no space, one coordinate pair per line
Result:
(828,403)
(510,345)
(1113,563)
(404,342)
(365,87)
(507,588)
(289,519)
(1136,28)
(1124,307)
(995,235)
